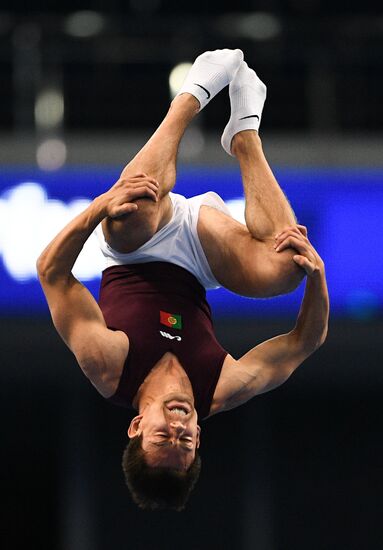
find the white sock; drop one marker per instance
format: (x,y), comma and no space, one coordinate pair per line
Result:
(211,72)
(247,97)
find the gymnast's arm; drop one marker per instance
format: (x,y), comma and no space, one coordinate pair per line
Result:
(271,363)
(75,313)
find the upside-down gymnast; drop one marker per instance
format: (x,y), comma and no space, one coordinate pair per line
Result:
(149,343)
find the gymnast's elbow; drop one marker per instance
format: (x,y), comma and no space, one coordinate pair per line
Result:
(309,340)
(43,267)
(44,270)
(321,338)
(48,273)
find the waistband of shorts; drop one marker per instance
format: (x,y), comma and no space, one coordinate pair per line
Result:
(166,276)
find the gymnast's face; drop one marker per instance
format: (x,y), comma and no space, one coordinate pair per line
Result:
(170,434)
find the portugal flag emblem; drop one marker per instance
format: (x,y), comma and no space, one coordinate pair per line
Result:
(172,320)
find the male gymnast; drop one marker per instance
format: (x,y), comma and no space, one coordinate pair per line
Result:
(149,343)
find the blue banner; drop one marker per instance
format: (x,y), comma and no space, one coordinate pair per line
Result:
(343,210)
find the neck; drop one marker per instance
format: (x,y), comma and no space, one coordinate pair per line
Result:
(167,378)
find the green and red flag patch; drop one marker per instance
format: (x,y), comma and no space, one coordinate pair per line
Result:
(172,320)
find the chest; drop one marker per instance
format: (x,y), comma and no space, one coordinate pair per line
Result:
(168,376)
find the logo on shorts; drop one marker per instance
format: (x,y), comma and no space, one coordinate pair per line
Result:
(167,335)
(171,320)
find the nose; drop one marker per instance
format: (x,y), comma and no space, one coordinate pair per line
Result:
(177,426)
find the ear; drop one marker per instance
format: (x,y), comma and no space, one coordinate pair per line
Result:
(134,427)
(198,437)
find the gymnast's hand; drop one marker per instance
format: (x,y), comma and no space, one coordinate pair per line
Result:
(118,201)
(307,257)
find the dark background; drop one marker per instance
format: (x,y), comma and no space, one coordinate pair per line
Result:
(299,468)
(322,61)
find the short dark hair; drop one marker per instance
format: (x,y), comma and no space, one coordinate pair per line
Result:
(157,488)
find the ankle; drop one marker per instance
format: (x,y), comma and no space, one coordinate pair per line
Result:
(187,102)
(245,141)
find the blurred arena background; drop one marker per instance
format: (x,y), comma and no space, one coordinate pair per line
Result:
(82,86)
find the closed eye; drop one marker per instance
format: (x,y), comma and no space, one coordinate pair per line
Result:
(166,436)
(163,441)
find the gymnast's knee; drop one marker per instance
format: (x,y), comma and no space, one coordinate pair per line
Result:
(279,275)
(129,232)
(287,274)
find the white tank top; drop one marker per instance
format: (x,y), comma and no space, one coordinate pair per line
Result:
(177,242)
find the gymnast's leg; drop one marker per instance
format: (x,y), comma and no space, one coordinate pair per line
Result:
(209,74)
(267,210)
(244,259)
(157,159)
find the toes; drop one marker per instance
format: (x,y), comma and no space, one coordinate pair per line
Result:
(239,54)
